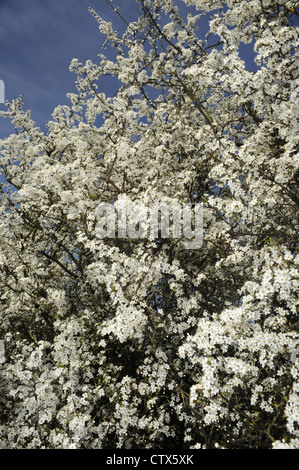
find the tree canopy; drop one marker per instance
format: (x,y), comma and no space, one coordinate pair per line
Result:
(123,342)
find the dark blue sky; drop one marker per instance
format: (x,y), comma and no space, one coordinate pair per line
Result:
(38,40)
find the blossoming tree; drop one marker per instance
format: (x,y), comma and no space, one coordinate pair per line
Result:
(138,342)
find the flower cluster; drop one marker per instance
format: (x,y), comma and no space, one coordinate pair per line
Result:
(142,343)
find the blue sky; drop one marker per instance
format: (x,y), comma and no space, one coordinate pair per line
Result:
(38,40)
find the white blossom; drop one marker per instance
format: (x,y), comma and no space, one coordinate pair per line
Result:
(137,342)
